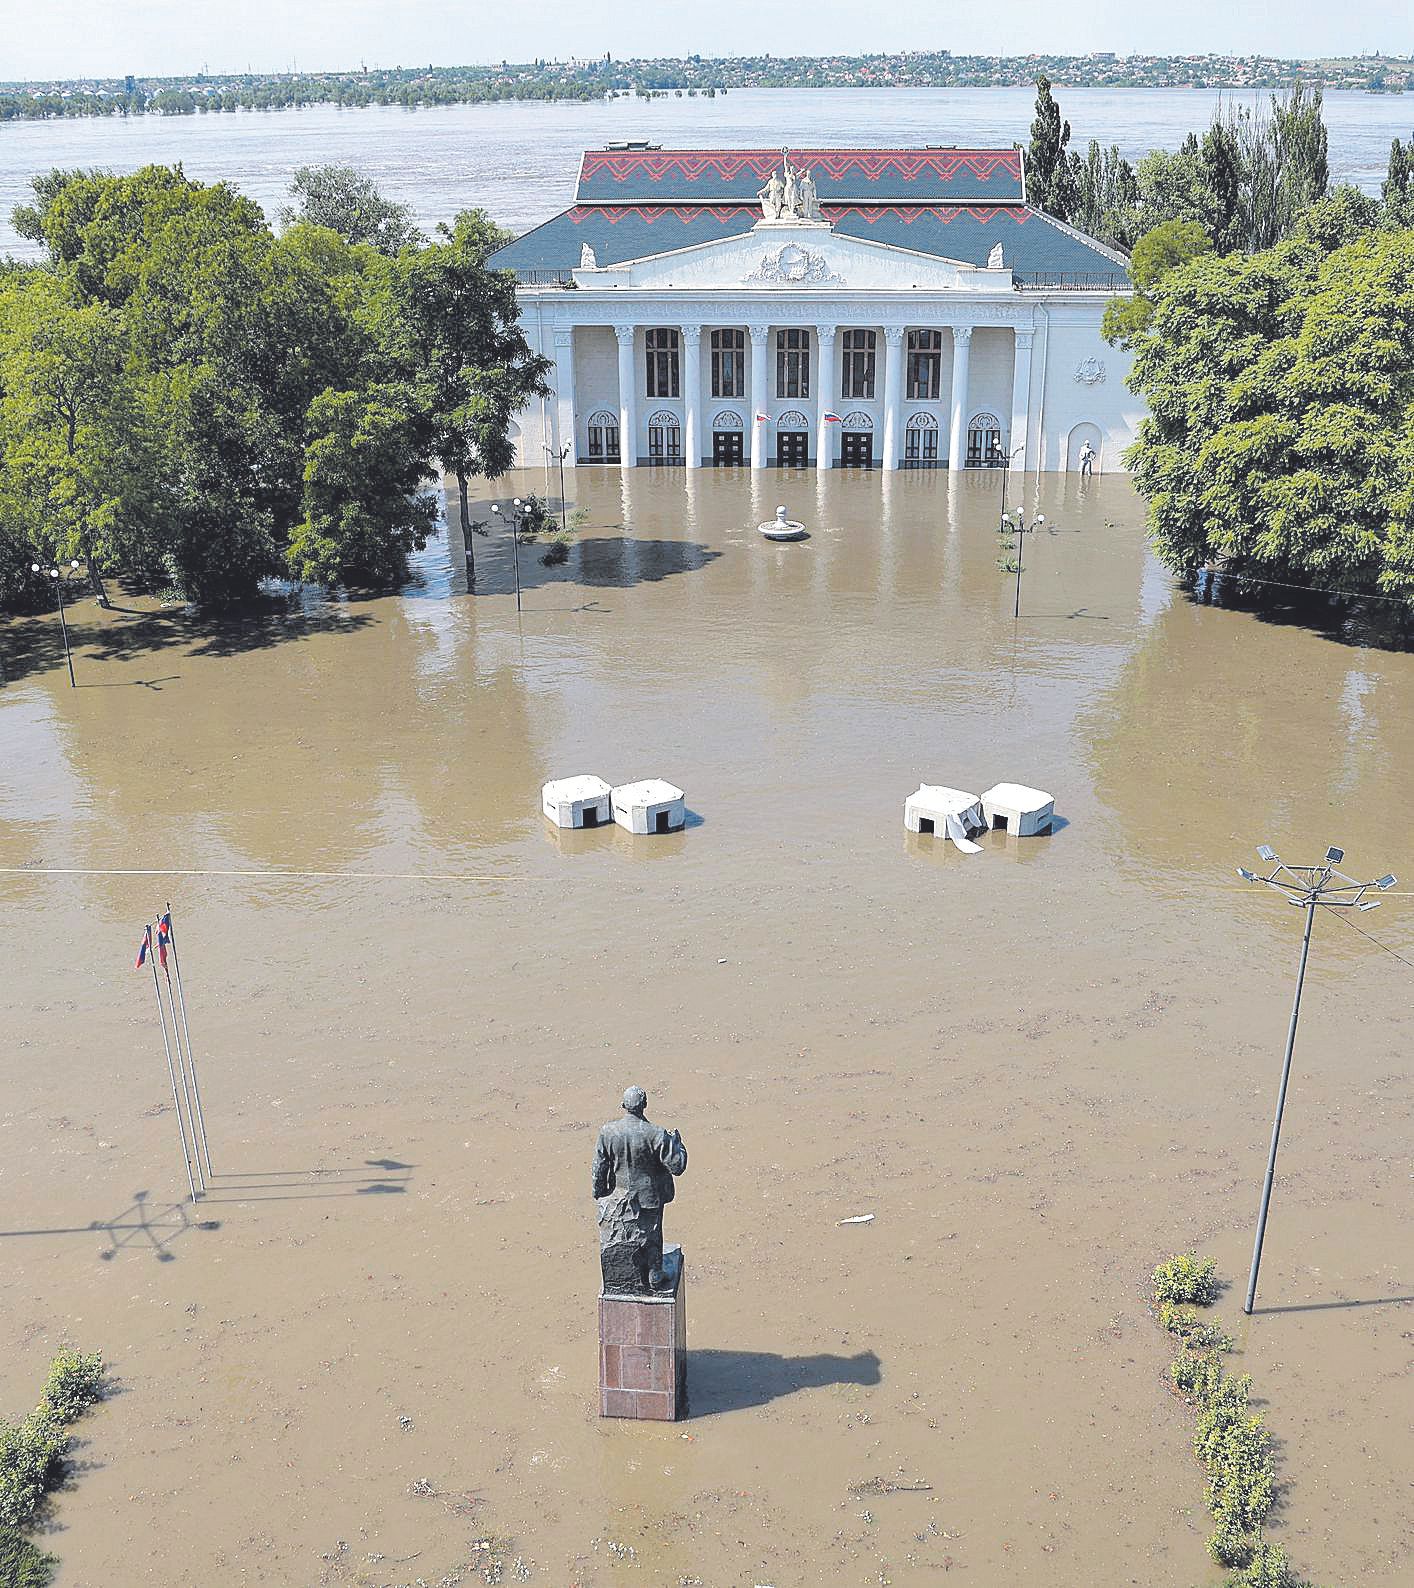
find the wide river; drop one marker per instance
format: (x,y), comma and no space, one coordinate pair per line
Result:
(1041,1068)
(519,161)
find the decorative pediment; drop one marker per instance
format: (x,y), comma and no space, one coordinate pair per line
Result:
(802,256)
(791,265)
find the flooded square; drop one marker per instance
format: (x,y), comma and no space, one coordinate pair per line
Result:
(1042,1068)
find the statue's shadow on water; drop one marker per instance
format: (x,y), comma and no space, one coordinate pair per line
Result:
(731,1381)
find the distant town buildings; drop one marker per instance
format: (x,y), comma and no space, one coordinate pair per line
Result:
(585,79)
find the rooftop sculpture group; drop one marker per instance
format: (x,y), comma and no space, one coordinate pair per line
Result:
(790,194)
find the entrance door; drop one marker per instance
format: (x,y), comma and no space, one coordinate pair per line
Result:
(857,449)
(792,449)
(727,446)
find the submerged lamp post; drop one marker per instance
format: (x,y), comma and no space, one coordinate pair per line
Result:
(1014,523)
(1305,887)
(59,575)
(517,516)
(561,453)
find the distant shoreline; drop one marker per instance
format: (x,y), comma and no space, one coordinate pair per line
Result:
(605,79)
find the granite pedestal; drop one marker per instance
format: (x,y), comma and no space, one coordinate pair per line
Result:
(643,1349)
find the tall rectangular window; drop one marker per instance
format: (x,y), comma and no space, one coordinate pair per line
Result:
(857,370)
(924,376)
(728,363)
(792,363)
(660,346)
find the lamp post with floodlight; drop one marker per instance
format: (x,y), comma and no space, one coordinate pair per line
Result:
(1305,887)
(59,575)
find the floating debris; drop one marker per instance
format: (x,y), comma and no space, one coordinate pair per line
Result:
(888,1486)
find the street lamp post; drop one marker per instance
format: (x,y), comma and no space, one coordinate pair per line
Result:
(1014,523)
(59,575)
(561,453)
(517,518)
(1000,459)
(1305,887)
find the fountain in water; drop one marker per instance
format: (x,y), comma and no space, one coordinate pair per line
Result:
(782,528)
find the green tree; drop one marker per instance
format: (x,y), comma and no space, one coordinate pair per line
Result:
(350,204)
(1105,196)
(364,509)
(79,461)
(1223,175)
(1048,172)
(1299,138)
(1155,254)
(1280,434)
(458,324)
(1397,191)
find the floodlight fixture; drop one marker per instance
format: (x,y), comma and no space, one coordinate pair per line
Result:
(1305,887)
(34,567)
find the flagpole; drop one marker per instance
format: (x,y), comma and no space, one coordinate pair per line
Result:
(171,1068)
(186,1082)
(191,1058)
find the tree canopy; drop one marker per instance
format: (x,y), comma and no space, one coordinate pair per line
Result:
(347,202)
(191,401)
(1280,435)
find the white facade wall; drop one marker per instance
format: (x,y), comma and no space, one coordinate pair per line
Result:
(1074,388)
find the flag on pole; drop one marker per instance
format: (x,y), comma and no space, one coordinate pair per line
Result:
(763,419)
(833,419)
(164,935)
(143,947)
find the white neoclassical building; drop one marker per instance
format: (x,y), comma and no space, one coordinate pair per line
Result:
(884,308)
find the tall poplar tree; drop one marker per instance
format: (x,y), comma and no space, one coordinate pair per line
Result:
(1048,175)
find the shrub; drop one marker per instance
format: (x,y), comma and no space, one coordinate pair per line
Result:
(1230,1546)
(1268,1567)
(1186,1279)
(30,1452)
(75,1382)
(1196,1375)
(1191,1329)
(21,1564)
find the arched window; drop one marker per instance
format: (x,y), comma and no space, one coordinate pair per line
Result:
(664,437)
(984,442)
(604,437)
(792,419)
(727,420)
(858,420)
(920,442)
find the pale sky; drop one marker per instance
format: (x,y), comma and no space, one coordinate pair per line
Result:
(71,38)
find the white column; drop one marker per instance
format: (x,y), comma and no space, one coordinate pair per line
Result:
(692,394)
(760,397)
(825,387)
(1020,395)
(564,390)
(957,431)
(893,392)
(628,408)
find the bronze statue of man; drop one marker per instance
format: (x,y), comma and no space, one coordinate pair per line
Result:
(635,1162)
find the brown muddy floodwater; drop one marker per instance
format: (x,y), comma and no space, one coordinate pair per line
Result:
(1041,1068)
